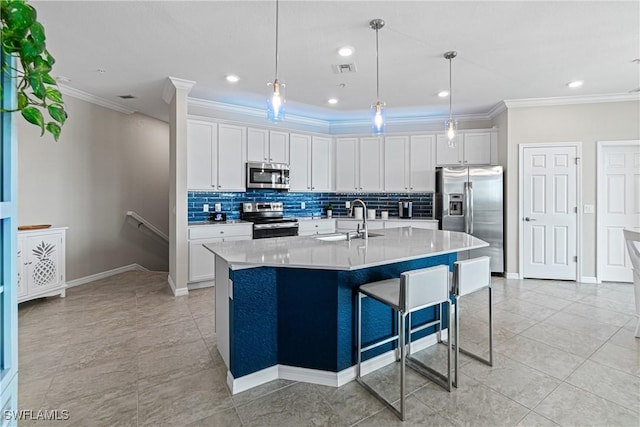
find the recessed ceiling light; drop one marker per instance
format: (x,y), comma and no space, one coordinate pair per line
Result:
(575,84)
(101,71)
(443,93)
(232,78)
(345,51)
(333,101)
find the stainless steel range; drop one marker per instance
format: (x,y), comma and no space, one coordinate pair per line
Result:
(268,220)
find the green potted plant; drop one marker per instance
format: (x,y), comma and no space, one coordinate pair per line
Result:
(329,209)
(23,39)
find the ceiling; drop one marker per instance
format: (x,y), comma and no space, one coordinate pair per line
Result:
(506,50)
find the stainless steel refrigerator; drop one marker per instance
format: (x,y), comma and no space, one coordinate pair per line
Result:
(470,199)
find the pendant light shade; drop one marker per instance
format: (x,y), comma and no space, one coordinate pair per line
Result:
(378,108)
(275,98)
(451,125)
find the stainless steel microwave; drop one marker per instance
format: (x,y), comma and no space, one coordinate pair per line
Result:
(268,176)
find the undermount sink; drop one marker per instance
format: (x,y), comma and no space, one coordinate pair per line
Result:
(341,237)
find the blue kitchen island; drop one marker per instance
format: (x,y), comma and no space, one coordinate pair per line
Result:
(285,307)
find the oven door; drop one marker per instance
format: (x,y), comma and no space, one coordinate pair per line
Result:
(268,175)
(265,231)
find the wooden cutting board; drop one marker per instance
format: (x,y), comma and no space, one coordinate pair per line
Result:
(33,227)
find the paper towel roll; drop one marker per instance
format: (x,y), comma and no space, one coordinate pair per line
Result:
(358,212)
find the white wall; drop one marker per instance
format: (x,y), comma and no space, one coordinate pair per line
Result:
(104,164)
(587,123)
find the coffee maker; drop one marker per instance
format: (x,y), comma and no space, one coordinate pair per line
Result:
(405,208)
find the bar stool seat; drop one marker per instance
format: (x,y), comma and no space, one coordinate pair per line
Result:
(470,276)
(414,290)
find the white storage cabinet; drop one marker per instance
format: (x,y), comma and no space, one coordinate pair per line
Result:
(201,260)
(267,146)
(359,164)
(215,156)
(471,148)
(41,263)
(311,227)
(409,163)
(309,163)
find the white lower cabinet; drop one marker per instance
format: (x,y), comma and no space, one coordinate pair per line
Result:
(41,263)
(415,223)
(316,226)
(201,260)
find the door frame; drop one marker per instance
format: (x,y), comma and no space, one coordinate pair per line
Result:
(521,148)
(600,145)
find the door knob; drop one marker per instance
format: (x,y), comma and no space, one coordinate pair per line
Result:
(529,219)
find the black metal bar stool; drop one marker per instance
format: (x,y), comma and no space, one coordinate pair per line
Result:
(414,290)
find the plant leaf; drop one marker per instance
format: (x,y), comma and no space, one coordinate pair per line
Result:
(37,31)
(46,78)
(40,65)
(19,15)
(50,59)
(56,111)
(29,50)
(23,101)
(54,94)
(34,116)
(35,81)
(54,128)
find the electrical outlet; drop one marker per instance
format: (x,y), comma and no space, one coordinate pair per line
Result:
(588,209)
(205,207)
(302,205)
(347,205)
(218,207)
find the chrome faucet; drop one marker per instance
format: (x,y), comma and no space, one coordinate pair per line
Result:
(364,233)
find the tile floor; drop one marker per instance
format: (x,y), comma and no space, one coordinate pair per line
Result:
(123,351)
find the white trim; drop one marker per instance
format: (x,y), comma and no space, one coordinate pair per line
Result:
(415,120)
(600,197)
(497,109)
(512,276)
(252,111)
(521,147)
(201,285)
(177,292)
(588,279)
(571,100)
(173,83)
(105,274)
(79,94)
(316,376)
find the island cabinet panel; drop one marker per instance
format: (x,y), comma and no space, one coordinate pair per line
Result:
(316,226)
(305,317)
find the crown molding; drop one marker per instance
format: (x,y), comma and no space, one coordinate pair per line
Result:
(341,124)
(172,84)
(497,109)
(571,100)
(253,112)
(77,93)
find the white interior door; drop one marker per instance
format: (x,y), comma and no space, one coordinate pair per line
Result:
(549,207)
(618,206)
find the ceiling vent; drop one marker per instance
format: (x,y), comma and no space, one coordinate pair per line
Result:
(129,96)
(344,68)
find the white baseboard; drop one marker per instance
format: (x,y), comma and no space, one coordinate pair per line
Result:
(514,276)
(588,279)
(315,376)
(201,285)
(104,274)
(177,292)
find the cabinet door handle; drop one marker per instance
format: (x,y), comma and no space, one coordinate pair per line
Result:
(313,188)
(265,158)
(222,232)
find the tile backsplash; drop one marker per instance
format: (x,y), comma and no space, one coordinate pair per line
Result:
(314,202)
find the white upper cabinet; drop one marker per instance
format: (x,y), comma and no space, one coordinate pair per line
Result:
(299,162)
(472,148)
(321,163)
(231,158)
(409,163)
(267,146)
(309,163)
(359,164)
(202,155)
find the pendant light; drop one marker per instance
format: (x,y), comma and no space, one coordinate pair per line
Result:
(377,109)
(451,125)
(275,99)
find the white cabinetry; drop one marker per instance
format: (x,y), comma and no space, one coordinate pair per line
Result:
(267,146)
(352,224)
(471,148)
(415,223)
(41,258)
(316,226)
(201,260)
(309,163)
(215,156)
(359,164)
(409,163)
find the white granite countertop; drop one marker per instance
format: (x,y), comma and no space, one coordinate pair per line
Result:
(384,247)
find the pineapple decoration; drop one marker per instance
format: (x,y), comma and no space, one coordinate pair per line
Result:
(45,269)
